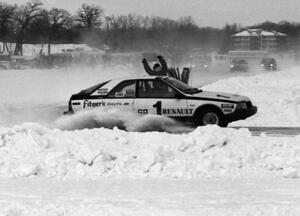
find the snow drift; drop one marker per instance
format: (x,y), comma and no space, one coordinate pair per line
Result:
(34,150)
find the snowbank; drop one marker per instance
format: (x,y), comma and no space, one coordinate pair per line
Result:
(32,50)
(277,95)
(31,149)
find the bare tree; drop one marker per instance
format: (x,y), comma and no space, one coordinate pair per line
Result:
(6,20)
(90,16)
(55,19)
(24,17)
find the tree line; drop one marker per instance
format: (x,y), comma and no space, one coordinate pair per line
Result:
(32,23)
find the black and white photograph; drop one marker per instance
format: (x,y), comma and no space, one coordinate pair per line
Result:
(149,107)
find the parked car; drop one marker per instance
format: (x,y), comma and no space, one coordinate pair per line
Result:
(164,96)
(268,64)
(239,65)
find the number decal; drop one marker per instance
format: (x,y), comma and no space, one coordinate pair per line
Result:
(157,105)
(142,111)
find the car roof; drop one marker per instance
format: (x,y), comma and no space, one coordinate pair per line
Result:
(239,61)
(139,78)
(269,59)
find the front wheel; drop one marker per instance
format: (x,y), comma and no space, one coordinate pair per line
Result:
(208,117)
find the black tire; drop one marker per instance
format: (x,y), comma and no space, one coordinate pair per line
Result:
(210,116)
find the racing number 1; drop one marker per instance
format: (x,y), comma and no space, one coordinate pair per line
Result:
(157,105)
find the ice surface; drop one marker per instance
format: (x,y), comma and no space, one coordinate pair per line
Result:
(150,197)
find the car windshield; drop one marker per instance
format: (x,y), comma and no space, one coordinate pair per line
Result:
(92,89)
(268,61)
(182,86)
(238,61)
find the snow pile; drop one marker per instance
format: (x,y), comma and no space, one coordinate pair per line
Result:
(31,149)
(277,95)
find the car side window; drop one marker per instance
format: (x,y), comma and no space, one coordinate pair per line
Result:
(125,89)
(155,89)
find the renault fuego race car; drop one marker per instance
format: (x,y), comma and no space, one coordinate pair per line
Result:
(164,96)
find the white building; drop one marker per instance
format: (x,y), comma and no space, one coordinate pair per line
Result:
(259,39)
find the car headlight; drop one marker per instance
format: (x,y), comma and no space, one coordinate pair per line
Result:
(205,65)
(271,65)
(231,66)
(241,105)
(262,65)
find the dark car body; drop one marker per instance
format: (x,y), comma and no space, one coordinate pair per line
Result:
(239,65)
(268,64)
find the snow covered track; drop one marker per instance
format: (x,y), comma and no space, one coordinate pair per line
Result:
(273,131)
(150,197)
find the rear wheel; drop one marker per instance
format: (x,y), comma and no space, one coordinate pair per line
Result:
(208,117)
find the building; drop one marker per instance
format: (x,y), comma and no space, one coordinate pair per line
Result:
(259,39)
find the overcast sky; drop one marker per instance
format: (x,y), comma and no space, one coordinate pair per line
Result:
(214,13)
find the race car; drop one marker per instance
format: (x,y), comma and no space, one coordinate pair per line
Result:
(268,64)
(167,96)
(238,65)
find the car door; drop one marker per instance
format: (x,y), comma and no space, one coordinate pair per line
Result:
(122,96)
(157,98)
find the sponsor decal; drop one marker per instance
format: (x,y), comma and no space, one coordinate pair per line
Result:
(177,111)
(119,94)
(227,110)
(114,104)
(102,91)
(126,104)
(227,106)
(75,103)
(142,111)
(88,103)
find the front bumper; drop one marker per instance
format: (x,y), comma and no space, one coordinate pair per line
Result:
(70,110)
(270,68)
(240,114)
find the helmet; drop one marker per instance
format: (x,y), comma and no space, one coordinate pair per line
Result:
(157,67)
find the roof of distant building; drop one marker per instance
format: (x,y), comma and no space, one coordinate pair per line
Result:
(258,32)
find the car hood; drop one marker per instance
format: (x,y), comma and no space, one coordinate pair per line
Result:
(221,96)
